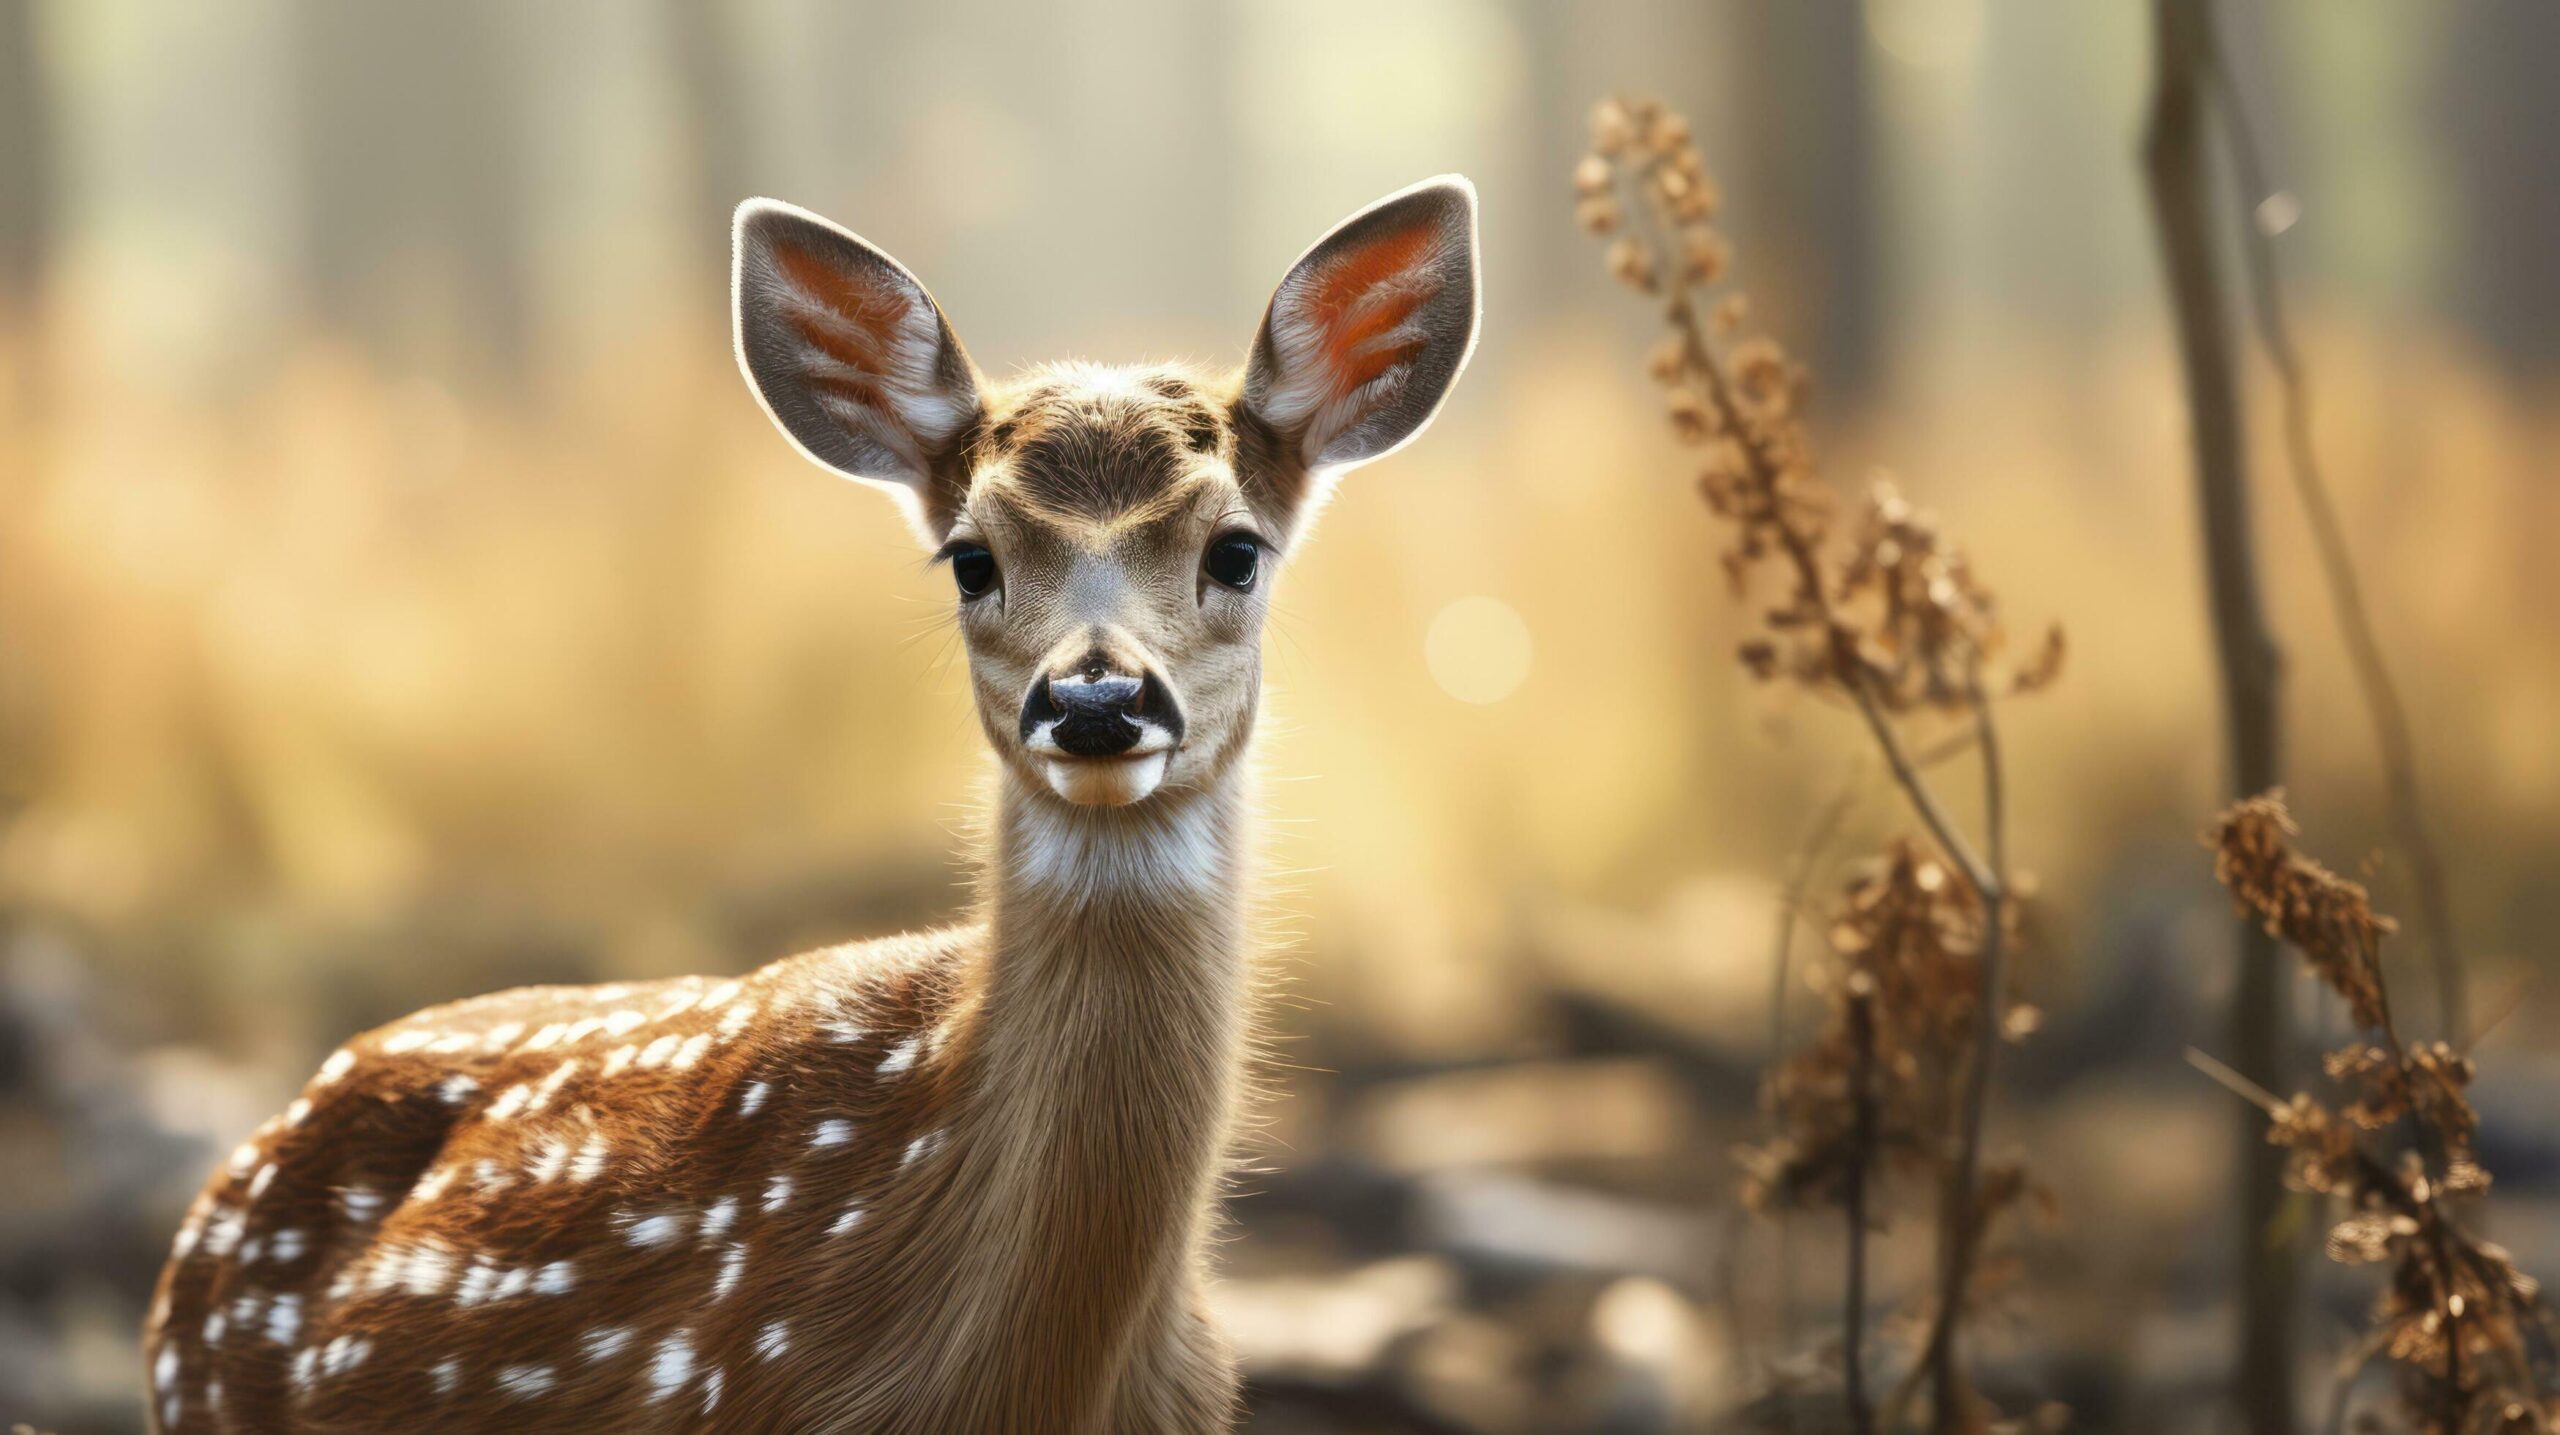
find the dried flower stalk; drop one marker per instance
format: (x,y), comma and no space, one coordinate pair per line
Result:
(2455,1314)
(1881,611)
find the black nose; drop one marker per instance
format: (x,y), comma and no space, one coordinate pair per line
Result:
(1095,716)
(1097,713)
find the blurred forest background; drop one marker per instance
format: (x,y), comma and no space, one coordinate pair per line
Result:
(401,597)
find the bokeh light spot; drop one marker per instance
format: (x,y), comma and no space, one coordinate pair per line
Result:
(1478,650)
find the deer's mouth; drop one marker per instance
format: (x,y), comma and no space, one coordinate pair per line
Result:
(1105,781)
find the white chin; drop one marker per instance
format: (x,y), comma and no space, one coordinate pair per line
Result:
(1105,781)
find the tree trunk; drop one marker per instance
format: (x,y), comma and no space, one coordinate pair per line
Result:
(26,182)
(414,193)
(2180,180)
(703,57)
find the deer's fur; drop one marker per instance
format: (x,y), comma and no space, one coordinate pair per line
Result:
(958,1180)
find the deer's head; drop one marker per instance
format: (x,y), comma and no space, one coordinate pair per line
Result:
(1113,533)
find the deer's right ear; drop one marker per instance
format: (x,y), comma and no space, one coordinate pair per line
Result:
(851,358)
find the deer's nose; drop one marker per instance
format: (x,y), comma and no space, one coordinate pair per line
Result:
(1095,712)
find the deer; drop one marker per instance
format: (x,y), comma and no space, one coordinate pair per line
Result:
(963,1179)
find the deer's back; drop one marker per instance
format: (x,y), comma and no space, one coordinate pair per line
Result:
(567,1207)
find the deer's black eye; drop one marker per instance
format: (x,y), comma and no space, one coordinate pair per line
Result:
(972,568)
(1234,560)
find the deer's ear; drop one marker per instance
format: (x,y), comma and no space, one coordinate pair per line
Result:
(1370,328)
(851,357)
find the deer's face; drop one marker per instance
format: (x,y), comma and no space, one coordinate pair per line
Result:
(1112,535)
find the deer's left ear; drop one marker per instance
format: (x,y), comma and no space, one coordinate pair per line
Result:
(1370,328)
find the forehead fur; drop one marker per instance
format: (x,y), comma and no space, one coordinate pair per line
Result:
(1099,443)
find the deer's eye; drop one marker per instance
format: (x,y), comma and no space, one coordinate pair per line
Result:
(973,569)
(1234,560)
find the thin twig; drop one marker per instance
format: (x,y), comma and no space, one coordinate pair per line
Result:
(1701,360)
(1962,1228)
(2175,170)
(2240,1086)
(2337,565)
(1862,1038)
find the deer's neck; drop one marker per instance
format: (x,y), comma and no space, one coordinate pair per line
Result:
(1107,1049)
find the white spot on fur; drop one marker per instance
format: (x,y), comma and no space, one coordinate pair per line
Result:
(432,1184)
(306,1368)
(736,1018)
(751,1099)
(900,1057)
(164,1371)
(657,1052)
(284,1318)
(479,1282)
(359,1204)
(605,1342)
(551,1084)
(777,1193)
(216,1325)
(286,1246)
(717,1217)
(671,1366)
(623,1021)
(401,1043)
(523,1382)
(720,995)
(733,1267)
(591,1159)
(655,1230)
(831,1132)
(502,1036)
(447,1376)
(298,1112)
(455,1090)
(845,1222)
(921,1147)
(710,1391)
(190,1231)
(344,1354)
(222,1233)
(619,1058)
(555,1278)
(509,1102)
(774,1339)
(244,1159)
(550,1159)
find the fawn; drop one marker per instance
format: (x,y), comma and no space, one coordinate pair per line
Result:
(958,1180)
